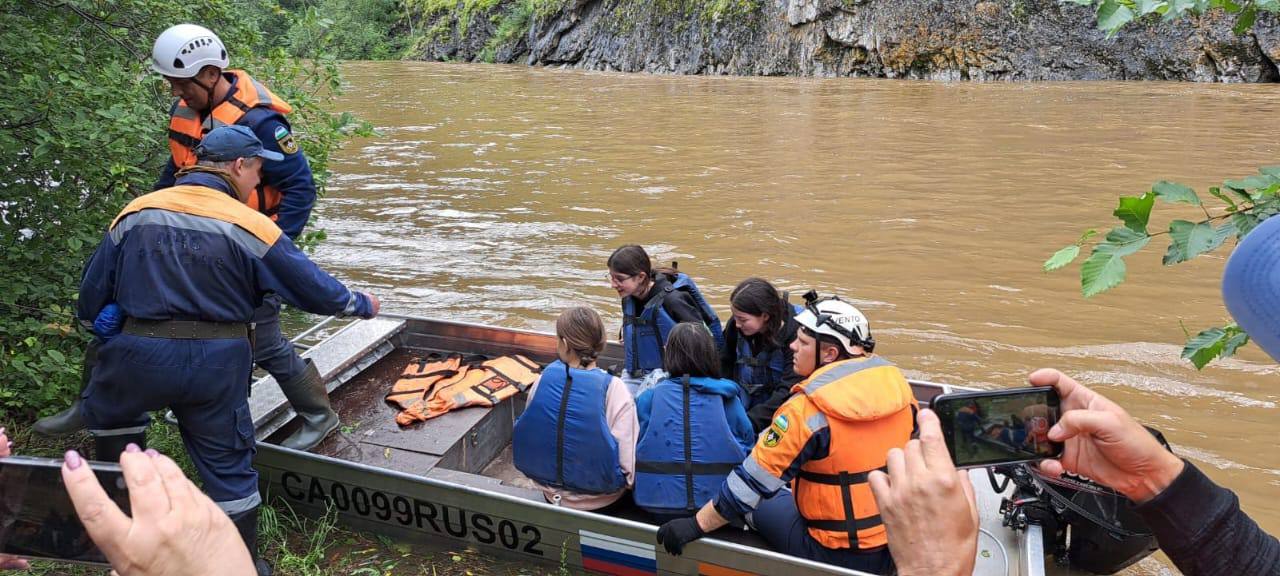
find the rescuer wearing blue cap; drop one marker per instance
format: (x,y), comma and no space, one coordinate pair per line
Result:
(195,63)
(187,266)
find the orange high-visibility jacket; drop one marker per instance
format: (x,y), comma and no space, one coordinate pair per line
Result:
(482,384)
(863,407)
(186,129)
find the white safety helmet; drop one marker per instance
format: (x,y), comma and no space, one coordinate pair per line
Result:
(183,50)
(838,319)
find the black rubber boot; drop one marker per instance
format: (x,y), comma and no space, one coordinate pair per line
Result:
(247,524)
(69,421)
(309,399)
(108,448)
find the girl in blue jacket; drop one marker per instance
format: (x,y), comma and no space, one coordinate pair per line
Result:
(692,417)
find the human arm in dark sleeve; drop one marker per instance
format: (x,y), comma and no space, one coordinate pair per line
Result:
(285,270)
(682,308)
(291,176)
(1203,530)
(168,177)
(98,282)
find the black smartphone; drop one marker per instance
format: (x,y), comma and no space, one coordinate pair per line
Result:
(999,426)
(37,519)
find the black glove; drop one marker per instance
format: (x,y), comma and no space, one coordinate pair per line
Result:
(674,535)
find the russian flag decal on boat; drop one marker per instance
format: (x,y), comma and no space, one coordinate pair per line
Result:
(617,556)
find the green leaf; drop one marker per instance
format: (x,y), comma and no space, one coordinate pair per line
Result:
(1149,6)
(1190,239)
(1204,347)
(1214,343)
(1216,192)
(1271,170)
(1245,21)
(1174,192)
(1244,223)
(1135,211)
(1062,258)
(56,355)
(1112,15)
(1105,268)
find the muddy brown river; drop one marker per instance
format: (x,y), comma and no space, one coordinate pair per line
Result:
(494,194)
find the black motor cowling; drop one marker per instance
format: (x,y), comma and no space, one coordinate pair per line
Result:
(1104,534)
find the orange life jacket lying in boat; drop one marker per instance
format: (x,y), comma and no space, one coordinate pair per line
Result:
(428,389)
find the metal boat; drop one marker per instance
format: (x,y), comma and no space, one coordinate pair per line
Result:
(451,477)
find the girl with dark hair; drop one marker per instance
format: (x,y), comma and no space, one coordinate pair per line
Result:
(653,302)
(577,436)
(692,417)
(757,353)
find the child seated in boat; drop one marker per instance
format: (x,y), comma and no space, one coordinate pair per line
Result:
(577,436)
(653,302)
(692,416)
(757,351)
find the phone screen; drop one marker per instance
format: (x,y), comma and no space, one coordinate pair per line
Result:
(1000,426)
(37,519)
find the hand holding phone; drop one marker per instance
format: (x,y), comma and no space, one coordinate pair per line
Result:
(996,427)
(176,530)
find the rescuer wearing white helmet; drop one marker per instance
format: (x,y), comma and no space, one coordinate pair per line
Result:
(210,95)
(839,424)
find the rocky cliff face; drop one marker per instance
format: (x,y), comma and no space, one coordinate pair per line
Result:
(933,39)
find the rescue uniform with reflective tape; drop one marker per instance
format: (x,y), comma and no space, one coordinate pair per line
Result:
(693,431)
(194,253)
(765,370)
(287,193)
(837,427)
(646,323)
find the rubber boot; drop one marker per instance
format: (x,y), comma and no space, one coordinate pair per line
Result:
(108,448)
(309,399)
(247,524)
(69,421)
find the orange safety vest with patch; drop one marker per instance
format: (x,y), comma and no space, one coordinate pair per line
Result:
(858,409)
(482,384)
(187,129)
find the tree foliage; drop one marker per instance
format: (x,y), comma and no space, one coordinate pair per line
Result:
(1242,204)
(1239,205)
(82,130)
(1116,14)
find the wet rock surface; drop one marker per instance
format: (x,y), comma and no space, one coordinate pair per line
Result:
(925,39)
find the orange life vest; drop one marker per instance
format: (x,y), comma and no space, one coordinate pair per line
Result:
(482,384)
(869,408)
(410,392)
(186,129)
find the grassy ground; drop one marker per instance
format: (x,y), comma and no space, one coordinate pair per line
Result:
(296,545)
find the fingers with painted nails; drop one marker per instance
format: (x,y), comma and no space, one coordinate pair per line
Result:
(175,528)
(1104,443)
(922,486)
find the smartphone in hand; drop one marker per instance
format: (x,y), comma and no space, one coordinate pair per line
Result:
(988,428)
(37,519)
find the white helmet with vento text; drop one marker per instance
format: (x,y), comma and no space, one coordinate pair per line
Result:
(838,319)
(183,50)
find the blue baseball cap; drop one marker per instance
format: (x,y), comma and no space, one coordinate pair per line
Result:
(228,143)
(1251,286)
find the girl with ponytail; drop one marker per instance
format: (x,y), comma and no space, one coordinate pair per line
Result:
(577,436)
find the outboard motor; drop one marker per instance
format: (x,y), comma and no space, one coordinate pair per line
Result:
(1086,525)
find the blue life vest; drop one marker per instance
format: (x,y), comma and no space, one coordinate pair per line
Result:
(761,372)
(645,332)
(686,451)
(562,439)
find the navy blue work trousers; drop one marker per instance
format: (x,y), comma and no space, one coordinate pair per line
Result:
(271,350)
(779,521)
(205,383)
